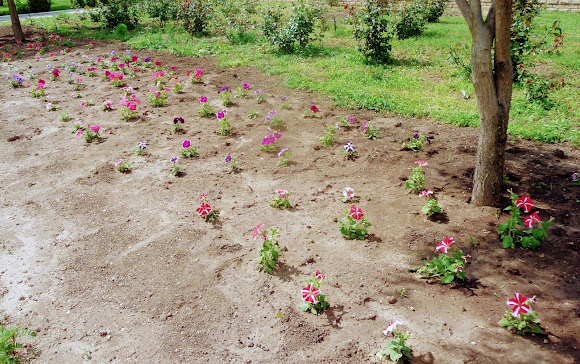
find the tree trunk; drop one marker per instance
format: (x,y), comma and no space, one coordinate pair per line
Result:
(493,86)
(16,27)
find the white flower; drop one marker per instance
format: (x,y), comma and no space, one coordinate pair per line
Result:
(391,328)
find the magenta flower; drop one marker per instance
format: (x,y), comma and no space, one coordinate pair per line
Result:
(525,202)
(245,86)
(95,128)
(519,303)
(228,158)
(178,120)
(277,135)
(173,159)
(283,99)
(350,118)
(198,74)
(186,143)
(531,219)
(281,152)
(445,244)
(118,162)
(80,131)
(257,231)
(203,99)
(40,84)
(364,130)
(221,114)
(314,109)
(309,294)
(281,192)
(421,163)
(356,212)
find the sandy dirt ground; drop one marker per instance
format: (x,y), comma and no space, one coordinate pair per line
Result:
(121,268)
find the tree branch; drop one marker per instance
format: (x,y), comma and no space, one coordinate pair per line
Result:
(490,18)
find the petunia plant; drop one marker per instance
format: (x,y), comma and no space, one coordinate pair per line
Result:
(38,91)
(346,122)
(141,148)
(123,166)
(350,151)
(432,206)
(157,98)
(188,150)
(225,95)
(415,143)
(397,349)
(415,182)
(224,124)
(285,103)
(328,137)
(311,112)
(204,210)
(448,266)
(205,110)
(270,251)
(576,178)
(348,195)
(259,96)
(521,317)
(313,300)
(281,200)
(275,121)
(196,76)
(284,158)
(354,225)
(177,124)
(269,142)
(370,131)
(530,231)
(175,169)
(242,90)
(232,163)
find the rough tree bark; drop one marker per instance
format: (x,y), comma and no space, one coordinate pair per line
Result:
(492,80)
(16,27)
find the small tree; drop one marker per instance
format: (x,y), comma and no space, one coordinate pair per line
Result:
(492,80)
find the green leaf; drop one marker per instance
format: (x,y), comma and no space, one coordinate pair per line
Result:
(502,228)
(395,356)
(448,278)
(504,322)
(508,241)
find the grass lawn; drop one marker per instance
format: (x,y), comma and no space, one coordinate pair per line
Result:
(55,5)
(421,82)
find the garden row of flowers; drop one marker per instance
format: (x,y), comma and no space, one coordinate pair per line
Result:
(119,69)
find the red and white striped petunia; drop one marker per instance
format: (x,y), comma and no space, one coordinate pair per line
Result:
(309,294)
(519,304)
(356,212)
(319,275)
(445,244)
(525,202)
(421,163)
(204,209)
(531,219)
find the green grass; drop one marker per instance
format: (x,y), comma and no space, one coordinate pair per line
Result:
(55,5)
(421,82)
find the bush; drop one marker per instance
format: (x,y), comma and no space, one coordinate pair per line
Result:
(410,21)
(374,31)
(299,29)
(86,3)
(194,16)
(433,9)
(537,89)
(272,17)
(38,6)
(115,12)
(235,19)
(163,10)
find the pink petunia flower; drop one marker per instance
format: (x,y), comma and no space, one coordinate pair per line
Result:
(281,192)
(425,193)
(421,163)
(186,143)
(221,114)
(309,294)
(281,152)
(204,209)
(348,193)
(257,231)
(519,303)
(203,99)
(390,329)
(319,275)
(525,202)
(95,128)
(445,244)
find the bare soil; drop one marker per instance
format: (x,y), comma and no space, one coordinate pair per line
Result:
(121,266)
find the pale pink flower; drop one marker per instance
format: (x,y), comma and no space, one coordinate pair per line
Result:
(257,231)
(422,163)
(425,193)
(390,329)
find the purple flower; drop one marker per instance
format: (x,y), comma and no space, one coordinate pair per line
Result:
(575,176)
(258,91)
(365,127)
(142,145)
(281,152)
(224,88)
(112,53)
(178,120)
(128,51)
(228,158)
(173,159)
(350,118)
(245,86)
(416,136)
(186,143)
(147,59)
(349,147)
(18,78)
(203,99)
(283,98)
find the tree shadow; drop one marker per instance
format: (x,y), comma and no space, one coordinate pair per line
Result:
(286,272)
(334,315)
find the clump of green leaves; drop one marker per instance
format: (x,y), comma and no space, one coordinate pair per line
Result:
(521,318)
(397,349)
(432,206)
(416,181)
(314,300)
(270,250)
(253,114)
(123,166)
(284,158)
(9,344)
(409,21)
(371,131)
(195,16)
(373,30)
(206,110)
(328,137)
(530,231)
(298,32)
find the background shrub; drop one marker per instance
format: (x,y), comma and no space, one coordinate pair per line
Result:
(299,31)
(115,12)
(410,20)
(163,10)
(374,32)
(194,16)
(433,9)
